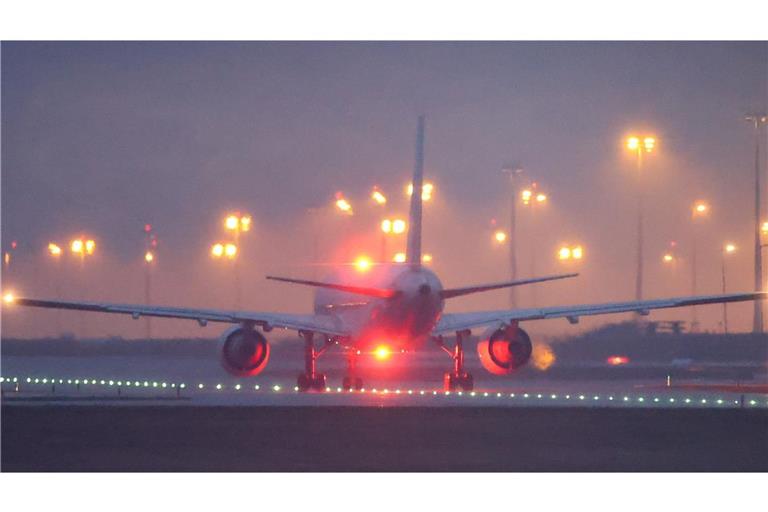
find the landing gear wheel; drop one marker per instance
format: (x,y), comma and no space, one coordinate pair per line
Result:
(468,382)
(449,382)
(303,382)
(358,384)
(319,383)
(346,383)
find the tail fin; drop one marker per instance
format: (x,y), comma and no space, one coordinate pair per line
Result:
(413,252)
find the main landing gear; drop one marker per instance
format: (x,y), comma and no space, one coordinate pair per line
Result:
(458,378)
(351,380)
(311,379)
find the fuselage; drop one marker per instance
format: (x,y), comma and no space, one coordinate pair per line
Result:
(402,322)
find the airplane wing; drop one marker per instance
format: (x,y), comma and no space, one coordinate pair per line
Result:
(451,322)
(315,323)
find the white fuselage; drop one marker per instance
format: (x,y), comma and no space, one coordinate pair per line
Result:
(402,322)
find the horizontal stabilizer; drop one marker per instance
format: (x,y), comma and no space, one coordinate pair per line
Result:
(456,292)
(381,293)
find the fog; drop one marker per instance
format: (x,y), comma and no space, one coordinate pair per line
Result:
(101,138)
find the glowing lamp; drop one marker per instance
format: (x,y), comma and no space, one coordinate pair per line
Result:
(217,250)
(500,236)
(426,258)
(76,246)
(633,143)
(90,246)
(729,248)
(398,226)
(363,264)
(8,298)
(230,250)
(526,195)
(668,258)
(541,197)
(386,226)
(382,352)
(564,253)
(577,252)
(231,222)
(54,249)
(378,197)
(149,257)
(399,257)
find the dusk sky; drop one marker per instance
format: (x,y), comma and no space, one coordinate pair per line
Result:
(100,138)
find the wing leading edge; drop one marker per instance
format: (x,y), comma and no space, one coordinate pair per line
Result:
(316,323)
(451,322)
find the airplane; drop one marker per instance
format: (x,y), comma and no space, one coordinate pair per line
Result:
(397,305)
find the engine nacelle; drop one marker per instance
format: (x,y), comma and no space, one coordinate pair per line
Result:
(504,349)
(244,351)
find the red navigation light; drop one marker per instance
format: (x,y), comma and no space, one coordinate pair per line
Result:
(147,228)
(382,352)
(617,360)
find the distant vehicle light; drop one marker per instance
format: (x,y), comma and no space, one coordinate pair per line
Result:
(617,360)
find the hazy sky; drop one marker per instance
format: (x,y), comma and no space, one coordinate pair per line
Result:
(100,138)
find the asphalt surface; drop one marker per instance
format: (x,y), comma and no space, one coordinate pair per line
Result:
(184,438)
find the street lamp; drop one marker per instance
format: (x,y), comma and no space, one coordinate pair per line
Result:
(500,236)
(639,145)
(570,253)
(342,204)
(727,249)
(378,196)
(699,211)
(427,189)
(758,121)
(390,227)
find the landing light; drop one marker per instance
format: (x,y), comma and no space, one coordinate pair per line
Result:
(8,298)
(382,353)
(363,264)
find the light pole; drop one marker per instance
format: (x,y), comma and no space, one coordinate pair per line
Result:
(640,145)
(514,172)
(533,199)
(237,223)
(82,248)
(149,261)
(757,121)
(727,249)
(55,252)
(699,211)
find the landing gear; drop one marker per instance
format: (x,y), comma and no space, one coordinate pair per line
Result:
(311,379)
(458,378)
(350,380)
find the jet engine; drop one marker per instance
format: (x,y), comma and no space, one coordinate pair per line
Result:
(504,349)
(244,351)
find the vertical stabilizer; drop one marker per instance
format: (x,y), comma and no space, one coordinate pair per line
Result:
(413,252)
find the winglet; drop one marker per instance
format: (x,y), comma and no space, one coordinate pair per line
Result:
(413,251)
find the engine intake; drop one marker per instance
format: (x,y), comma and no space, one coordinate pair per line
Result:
(504,349)
(244,351)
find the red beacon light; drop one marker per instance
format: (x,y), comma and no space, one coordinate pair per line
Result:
(617,360)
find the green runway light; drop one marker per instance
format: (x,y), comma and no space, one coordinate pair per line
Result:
(719,401)
(276,388)
(626,399)
(256,387)
(146,384)
(218,387)
(37,381)
(154,384)
(45,381)
(182,385)
(61,381)
(641,399)
(237,387)
(137,384)
(472,393)
(128,383)
(511,395)
(102,383)
(595,397)
(77,381)
(200,386)
(119,383)
(581,397)
(485,394)
(553,397)
(687,400)
(163,385)
(610,398)
(656,400)
(538,396)
(498,395)
(295,388)
(2,380)
(29,380)
(69,381)
(111,383)
(567,397)
(671,400)
(703,400)
(525,395)
(752,402)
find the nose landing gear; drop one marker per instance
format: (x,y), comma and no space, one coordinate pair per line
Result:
(350,380)
(458,378)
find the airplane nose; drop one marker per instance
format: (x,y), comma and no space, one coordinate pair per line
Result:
(425,289)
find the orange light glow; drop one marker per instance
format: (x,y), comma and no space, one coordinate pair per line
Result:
(363,263)
(386,226)
(426,258)
(729,248)
(54,250)
(231,222)
(500,236)
(541,197)
(217,250)
(76,246)
(90,246)
(525,195)
(542,356)
(617,360)
(378,197)
(564,253)
(149,257)
(8,298)
(399,257)
(577,252)
(764,228)
(700,208)
(668,258)
(342,204)
(230,250)
(398,226)
(382,352)
(427,189)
